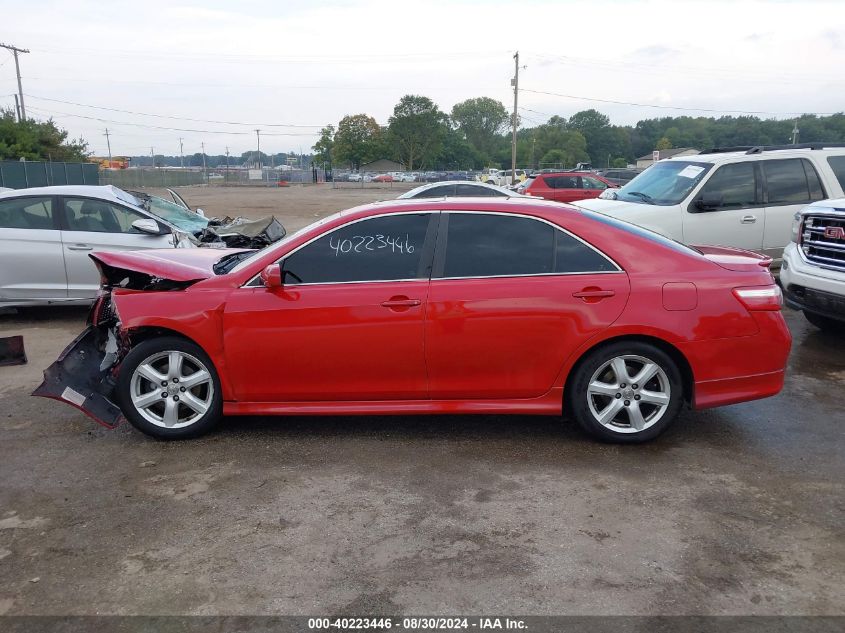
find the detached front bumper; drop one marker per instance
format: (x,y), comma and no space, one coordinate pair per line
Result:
(77,379)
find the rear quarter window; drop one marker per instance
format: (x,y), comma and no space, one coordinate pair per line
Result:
(837,164)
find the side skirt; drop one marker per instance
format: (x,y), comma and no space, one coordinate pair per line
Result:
(548,404)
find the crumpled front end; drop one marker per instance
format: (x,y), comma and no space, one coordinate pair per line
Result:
(85,375)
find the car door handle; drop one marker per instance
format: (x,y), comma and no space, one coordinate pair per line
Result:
(748,219)
(400,302)
(80,247)
(593,294)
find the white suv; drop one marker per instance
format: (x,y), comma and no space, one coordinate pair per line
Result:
(813,269)
(741,197)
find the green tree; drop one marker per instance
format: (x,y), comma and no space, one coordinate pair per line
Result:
(619,162)
(416,131)
(481,120)
(37,140)
(357,140)
(323,147)
(663,143)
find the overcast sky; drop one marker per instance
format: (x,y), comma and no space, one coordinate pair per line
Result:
(268,65)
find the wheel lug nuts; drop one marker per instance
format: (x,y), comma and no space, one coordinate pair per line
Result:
(183,389)
(163,394)
(634,386)
(175,380)
(175,398)
(627,403)
(163,383)
(636,397)
(618,395)
(622,385)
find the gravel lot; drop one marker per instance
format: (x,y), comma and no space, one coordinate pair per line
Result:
(736,510)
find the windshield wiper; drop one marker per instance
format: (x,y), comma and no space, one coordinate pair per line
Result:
(227,263)
(642,196)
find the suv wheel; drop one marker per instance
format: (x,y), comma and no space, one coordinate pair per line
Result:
(168,388)
(626,392)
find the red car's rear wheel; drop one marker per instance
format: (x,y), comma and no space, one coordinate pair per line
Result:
(626,392)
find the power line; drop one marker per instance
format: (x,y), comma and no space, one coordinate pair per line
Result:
(666,107)
(167,116)
(160,127)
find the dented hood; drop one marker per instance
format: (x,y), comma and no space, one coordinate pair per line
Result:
(180,265)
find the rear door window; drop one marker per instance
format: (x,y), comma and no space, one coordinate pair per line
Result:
(437,192)
(491,245)
(788,181)
(562,182)
(27,213)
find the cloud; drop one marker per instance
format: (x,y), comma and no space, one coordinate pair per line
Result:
(655,52)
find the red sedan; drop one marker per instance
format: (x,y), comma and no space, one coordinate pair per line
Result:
(472,305)
(567,186)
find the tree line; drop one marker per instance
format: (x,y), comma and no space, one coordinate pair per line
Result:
(476,134)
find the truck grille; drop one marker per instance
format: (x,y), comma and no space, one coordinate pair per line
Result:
(823,241)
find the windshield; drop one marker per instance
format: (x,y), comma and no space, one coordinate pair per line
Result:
(173,213)
(664,183)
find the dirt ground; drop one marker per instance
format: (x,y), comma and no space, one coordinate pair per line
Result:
(737,510)
(296,206)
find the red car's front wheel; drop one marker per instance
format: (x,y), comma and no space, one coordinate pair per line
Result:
(168,388)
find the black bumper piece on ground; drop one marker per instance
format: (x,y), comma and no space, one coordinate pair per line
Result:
(822,303)
(12,351)
(76,378)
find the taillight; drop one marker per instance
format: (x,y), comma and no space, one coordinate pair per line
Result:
(760,297)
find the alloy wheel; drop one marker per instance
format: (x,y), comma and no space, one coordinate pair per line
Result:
(628,394)
(171,389)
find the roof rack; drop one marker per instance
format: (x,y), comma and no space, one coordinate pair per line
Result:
(757,149)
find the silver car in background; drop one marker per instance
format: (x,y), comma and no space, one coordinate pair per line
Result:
(46,234)
(459,188)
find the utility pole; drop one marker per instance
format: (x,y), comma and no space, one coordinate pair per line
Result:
(108,144)
(515,84)
(15,50)
(152,158)
(258,138)
(18,107)
(205,173)
(795,132)
(181,154)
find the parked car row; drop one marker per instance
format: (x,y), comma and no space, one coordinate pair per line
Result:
(398,176)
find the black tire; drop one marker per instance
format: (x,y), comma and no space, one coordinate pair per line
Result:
(824,323)
(580,403)
(192,428)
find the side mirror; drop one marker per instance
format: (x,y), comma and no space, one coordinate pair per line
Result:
(709,201)
(147,225)
(271,276)
(199,212)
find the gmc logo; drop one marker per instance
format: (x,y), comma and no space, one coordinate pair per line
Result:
(834,232)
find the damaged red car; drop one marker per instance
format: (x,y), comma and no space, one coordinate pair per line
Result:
(430,306)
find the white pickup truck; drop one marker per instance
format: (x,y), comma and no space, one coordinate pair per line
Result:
(742,197)
(813,270)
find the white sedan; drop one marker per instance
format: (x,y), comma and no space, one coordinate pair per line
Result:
(46,234)
(460,188)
